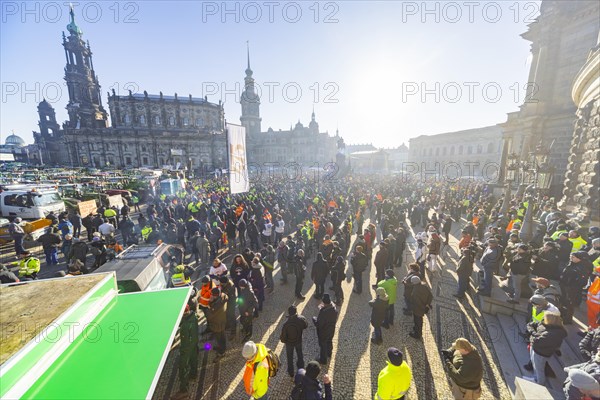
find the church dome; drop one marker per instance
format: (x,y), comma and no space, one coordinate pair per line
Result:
(14,140)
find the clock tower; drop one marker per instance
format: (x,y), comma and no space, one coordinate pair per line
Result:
(250,102)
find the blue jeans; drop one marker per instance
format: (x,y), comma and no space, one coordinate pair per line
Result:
(488,275)
(18,244)
(539,366)
(51,256)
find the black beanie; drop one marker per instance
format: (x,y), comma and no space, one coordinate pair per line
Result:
(395,356)
(313,369)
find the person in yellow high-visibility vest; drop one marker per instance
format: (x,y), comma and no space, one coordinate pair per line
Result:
(593,300)
(29,266)
(577,240)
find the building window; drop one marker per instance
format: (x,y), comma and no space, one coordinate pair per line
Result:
(128,160)
(199,122)
(186,121)
(145,160)
(156,120)
(127,119)
(452,150)
(479,149)
(143,148)
(490,148)
(460,150)
(142,120)
(172,120)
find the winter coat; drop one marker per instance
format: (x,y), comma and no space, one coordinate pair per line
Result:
(421,299)
(391,287)
(239,272)
(575,275)
(466,371)
(393,381)
(521,264)
(359,262)
(313,389)
(378,311)
(255,277)
(325,322)
(491,258)
(246,301)
(408,287)
(49,241)
(338,273)
(589,344)
(319,271)
(216,313)
(546,264)
(434,245)
(78,251)
(381,258)
(291,332)
(546,339)
(229,290)
(465,266)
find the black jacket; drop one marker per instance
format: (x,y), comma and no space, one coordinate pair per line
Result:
(291,332)
(521,264)
(546,339)
(359,262)
(312,389)
(247,301)
(325,322)
(589,344)
(49,241)
(546,264)
(465,266)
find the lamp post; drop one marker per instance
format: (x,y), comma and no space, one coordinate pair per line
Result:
(542,173)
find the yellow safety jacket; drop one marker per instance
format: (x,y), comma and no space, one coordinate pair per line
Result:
(28,266)
(110,213)
(180,280)
(537,317)
(163,197)
(146,231)
(556,234)
(393,381)
(578,243)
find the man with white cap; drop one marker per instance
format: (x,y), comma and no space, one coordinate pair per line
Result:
(583,380)
(256,374)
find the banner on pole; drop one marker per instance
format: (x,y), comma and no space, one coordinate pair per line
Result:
(238,166)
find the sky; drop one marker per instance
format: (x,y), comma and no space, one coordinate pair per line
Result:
(380,72)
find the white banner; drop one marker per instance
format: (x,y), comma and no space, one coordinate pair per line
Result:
(238,166)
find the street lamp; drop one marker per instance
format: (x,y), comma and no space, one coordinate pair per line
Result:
(542,179)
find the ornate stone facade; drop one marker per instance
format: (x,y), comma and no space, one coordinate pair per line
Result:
(560,38)
(581,193)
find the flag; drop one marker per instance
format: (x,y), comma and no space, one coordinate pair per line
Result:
(238,167)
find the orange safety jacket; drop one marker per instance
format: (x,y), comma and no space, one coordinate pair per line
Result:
(205,293)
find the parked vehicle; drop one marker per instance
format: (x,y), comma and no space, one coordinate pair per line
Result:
(29,202)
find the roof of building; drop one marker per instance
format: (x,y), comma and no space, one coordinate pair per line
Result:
(492,129)
(14,140)
(154,97)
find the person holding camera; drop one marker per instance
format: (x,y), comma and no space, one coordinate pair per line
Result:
(465,369)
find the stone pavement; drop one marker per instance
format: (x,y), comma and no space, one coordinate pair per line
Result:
(356,362)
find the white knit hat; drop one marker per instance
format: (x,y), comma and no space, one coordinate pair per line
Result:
(249,350)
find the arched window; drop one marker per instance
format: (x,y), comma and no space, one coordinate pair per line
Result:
(490,148)
(199,122)
(156,120)
(186,121)
(470,150)
(460,149)
(452,150)
(142,120)
(126,119)
(172,120)
(479,149)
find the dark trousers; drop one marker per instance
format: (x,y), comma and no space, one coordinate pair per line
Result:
(269,277)
(299,283)
(230,322)
(358,282)
(463,285)
(284,271)
(418,328)
(377,335)
(76,231)
(339,293)
(380,271)
(246,322)
(253,243)
(19,244)
(319,289)
(289,349)
(220,344)
(389,315)
(188,366)
(326,347)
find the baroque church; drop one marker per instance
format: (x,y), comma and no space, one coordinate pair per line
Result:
(155,131)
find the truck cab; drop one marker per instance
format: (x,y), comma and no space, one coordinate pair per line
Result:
(141,268)
(29,202)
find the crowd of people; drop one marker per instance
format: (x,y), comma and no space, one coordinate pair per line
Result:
(341,230)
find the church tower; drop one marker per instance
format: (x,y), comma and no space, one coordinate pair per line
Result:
(85,103)
(48,125)
(250,102)
(313,125)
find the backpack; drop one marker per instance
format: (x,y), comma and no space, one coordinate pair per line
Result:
(297,392)
(274,363)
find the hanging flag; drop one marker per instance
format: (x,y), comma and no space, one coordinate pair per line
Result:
(238,166)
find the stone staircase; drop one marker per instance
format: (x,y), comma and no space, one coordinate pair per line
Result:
(504,322)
